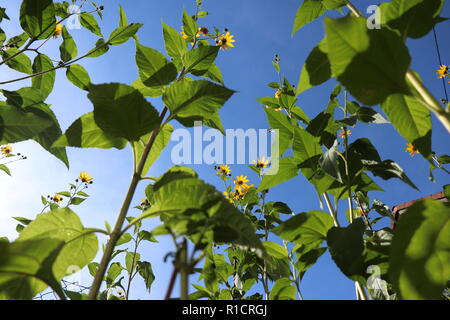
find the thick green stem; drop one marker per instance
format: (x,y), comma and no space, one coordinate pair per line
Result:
(116,233)
(183,265)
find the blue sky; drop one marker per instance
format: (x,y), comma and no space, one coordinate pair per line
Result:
(261,28)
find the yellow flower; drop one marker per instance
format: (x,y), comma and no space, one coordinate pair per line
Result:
(411,149)
(225,41)
(240,182)
(240,193)
(6,150)
(223,169)
(57,198)
(58,30)
(344,133)
(278,109)
(229,197)
(184,35)
(443,71)
(278,94)
(203,31)
(261,163)
(85,177)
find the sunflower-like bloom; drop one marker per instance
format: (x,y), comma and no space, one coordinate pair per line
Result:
(6,150)
(184,35)
(57,198)
(58,30)
(145,203)
(240,193)
(411,149)
(278,94)
(225,41)
(85,177)
(240,182)
(202,32)
(223,169)
(229,196)
(261,162)
(344,133)
(443,71)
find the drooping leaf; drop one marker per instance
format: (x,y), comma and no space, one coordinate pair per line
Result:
(122,111)
(419,265)
(309,11)
(37,18)
(68,49)
(45,82)
(85,133)
(88,21)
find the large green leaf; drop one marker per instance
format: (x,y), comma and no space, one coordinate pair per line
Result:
(309,11)
(122,111)
(123,34)
(161,141)
(316,70)
(190,27)
(88,21)
(285,126)
(45,82)
(47,137)
(309,228)
(411,119)
(80,246)
(68,49)
(147,91)
(280,171)
(154,69)
(199,60)
(389,169)
(37,18)
(420,255)
(26,268)
(174,43)
(413,18)
(17,125)
(283,289)
(24,97)
(372,64)
(85,133)
(199,98)
(21,62)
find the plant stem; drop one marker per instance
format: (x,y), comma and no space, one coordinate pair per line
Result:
(130,275)
(429,101)
(349,180)
(116,233)
(330,209)
(184,269)
(173,277)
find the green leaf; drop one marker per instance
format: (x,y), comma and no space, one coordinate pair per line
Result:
(26,268)
(5,169)
(174,43)
(285,126)
(24,97)
(45,82)
(334,4)
(316,70)
(146,272)
(154,69)
(308,228)
(147,91)
(21,63)
(123,20)
(281,171)
(78,75)
(275,250)
(309,11)
(161,142)
(101,47)
(283,289)
(37,18)
(306,149)
(80,246)
(190,27)
(198,98)
(371,63)
(76,201)
(115,269)
(368,115)
(61,9)
(388,169)
(88,21)
(329,162)
(47,137)
(123,34)
(125,238)
(419,265)
(199,60)
(131,260)
(122,111)
(347,245)
(68,48)
(413,18)
(85,133)
(214,73)
(17,125)
(447,191)
(411,119)
(307,258)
